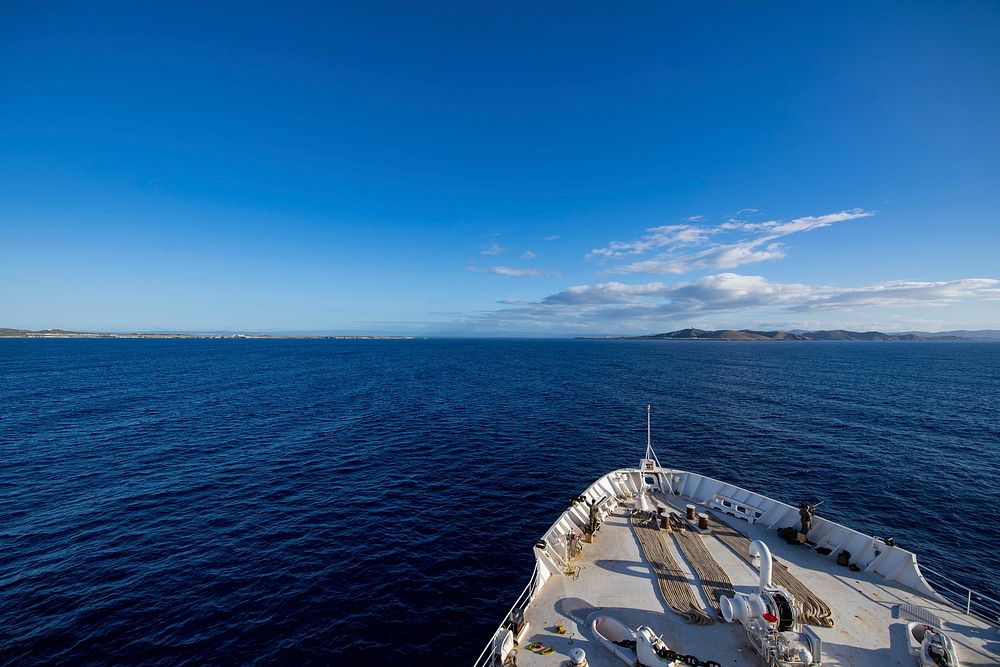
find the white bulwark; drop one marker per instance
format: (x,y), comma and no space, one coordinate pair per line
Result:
(677,555)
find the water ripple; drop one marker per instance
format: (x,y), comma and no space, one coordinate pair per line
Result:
(271,502)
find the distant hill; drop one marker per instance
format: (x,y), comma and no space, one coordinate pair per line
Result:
(961,334)
(749,334)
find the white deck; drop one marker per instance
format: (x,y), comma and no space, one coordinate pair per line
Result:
(616,579)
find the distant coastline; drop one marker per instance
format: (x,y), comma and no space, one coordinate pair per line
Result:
(821,335)
(61,333)
(681,334)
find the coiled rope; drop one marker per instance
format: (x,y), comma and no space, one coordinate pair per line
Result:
(714,580)
(673,583)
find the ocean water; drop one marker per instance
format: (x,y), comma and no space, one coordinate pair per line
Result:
(297,501)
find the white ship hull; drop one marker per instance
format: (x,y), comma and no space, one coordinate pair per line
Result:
(870,601)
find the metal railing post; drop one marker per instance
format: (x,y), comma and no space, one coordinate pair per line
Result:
(951,590)
(491,653)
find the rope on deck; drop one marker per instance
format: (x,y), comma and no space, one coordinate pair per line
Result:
(714,580)
(671,579)
(814,610)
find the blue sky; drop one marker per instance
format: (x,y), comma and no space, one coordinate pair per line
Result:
(506,168)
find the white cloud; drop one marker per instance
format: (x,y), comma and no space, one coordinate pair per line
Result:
(760,246)
(604,293)
(511,271)
(495,249)
(811,222)
(529,254)
(734,224)
(902,293)
(727,256)
(618,306)
(553,237)
(671,236)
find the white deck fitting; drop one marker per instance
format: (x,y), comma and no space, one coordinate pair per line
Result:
(616,579)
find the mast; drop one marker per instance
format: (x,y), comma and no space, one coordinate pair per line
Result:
(650,454)
(649,430)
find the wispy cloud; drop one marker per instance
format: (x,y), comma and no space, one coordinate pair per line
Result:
(734,224)
(903,293)
(671,236)
(553,237)
(529,254)
(495,249)
(623,306)
(511,271)
(684,248)
(724,256)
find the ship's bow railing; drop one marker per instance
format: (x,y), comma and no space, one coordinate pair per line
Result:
(491,655)
(969,600)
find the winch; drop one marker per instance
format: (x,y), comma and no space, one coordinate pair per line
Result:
(769,617)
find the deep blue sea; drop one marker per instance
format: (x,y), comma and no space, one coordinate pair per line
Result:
(323,501)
